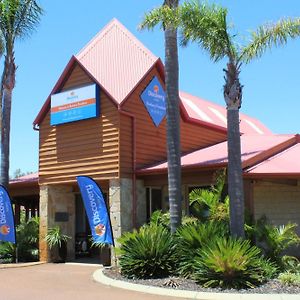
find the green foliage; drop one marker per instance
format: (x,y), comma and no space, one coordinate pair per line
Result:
(28,239)
(193,236)
(55,237)
(270,35)
(289,278)
(290,264)
(27,242)
(229,263)
(160,218)
(147,253)
(275,240)
(207,204)
(7,252)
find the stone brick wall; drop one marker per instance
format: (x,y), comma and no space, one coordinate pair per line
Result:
(279,202)
(55,199)
(120,203)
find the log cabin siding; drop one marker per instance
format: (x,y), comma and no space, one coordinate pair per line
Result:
(151,140)
(88,147)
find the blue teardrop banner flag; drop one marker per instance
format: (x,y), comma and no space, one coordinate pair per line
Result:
(96,210)
(7,222)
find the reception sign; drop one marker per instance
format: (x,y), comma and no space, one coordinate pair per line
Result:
(154,100)
(7,223)
(96,210)
(74,105)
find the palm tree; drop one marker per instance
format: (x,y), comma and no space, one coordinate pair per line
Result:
(207,26)
(173,117)
(18,18)
(212,34)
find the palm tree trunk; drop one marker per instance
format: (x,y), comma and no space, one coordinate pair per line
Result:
(173,123)
(233,98)
(7,84)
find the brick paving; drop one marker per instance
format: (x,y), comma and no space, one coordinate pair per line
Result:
(60,282)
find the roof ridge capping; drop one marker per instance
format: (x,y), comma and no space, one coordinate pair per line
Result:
(105,30)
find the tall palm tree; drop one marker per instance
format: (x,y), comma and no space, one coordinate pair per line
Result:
(18,18)
(173,117)
(207,26)
(212,34)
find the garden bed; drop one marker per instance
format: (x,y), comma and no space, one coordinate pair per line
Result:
(271,287)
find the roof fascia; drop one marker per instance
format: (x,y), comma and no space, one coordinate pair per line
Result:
(62,79)
(156,64)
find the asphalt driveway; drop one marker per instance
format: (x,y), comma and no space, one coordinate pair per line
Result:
(60,282)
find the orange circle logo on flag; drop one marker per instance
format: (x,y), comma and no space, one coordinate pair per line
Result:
(100,229)
(4,229)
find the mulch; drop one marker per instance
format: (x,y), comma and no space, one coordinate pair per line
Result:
(271,287)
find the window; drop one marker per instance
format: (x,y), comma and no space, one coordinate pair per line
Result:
(153,200)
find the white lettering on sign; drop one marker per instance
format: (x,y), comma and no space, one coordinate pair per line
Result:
(2,211)
(93,204)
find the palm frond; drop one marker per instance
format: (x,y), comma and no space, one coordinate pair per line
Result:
(18,19)
(207,25)
(164,16)
(267,36)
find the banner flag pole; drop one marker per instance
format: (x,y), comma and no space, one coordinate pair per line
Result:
(96,210)
(7,220)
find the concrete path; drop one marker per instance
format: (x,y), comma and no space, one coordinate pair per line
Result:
(61,282)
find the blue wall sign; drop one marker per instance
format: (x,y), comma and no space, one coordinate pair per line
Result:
(154,100)
(74,105)
(7,223)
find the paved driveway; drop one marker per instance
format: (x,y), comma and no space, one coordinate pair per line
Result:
(60,282)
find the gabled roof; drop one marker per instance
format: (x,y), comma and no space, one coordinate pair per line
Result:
(254,149)
(212,114)
(115,59)
(118,61)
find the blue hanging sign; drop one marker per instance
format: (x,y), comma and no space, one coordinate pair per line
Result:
(96,210)
(7,222)
(154,100)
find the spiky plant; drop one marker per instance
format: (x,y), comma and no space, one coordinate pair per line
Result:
(229,263)
(147,253)
(55,237)
(192,237)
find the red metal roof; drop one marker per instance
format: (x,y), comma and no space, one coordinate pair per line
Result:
(254,148)
(214,114)
(26,178)
(117,61)
(284,163)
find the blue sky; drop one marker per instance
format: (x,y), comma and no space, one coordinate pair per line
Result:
(271,84)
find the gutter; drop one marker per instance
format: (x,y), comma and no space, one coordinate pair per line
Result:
(134,196)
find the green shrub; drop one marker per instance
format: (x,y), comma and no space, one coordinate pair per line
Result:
(274,240)
(269,268)
(193,236)
(7,252)
(290,264)
(288,278)
(147,253)
(160,218)
(208,204)
(229,263)
(27,242)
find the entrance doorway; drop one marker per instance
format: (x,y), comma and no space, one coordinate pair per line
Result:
(84,249)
